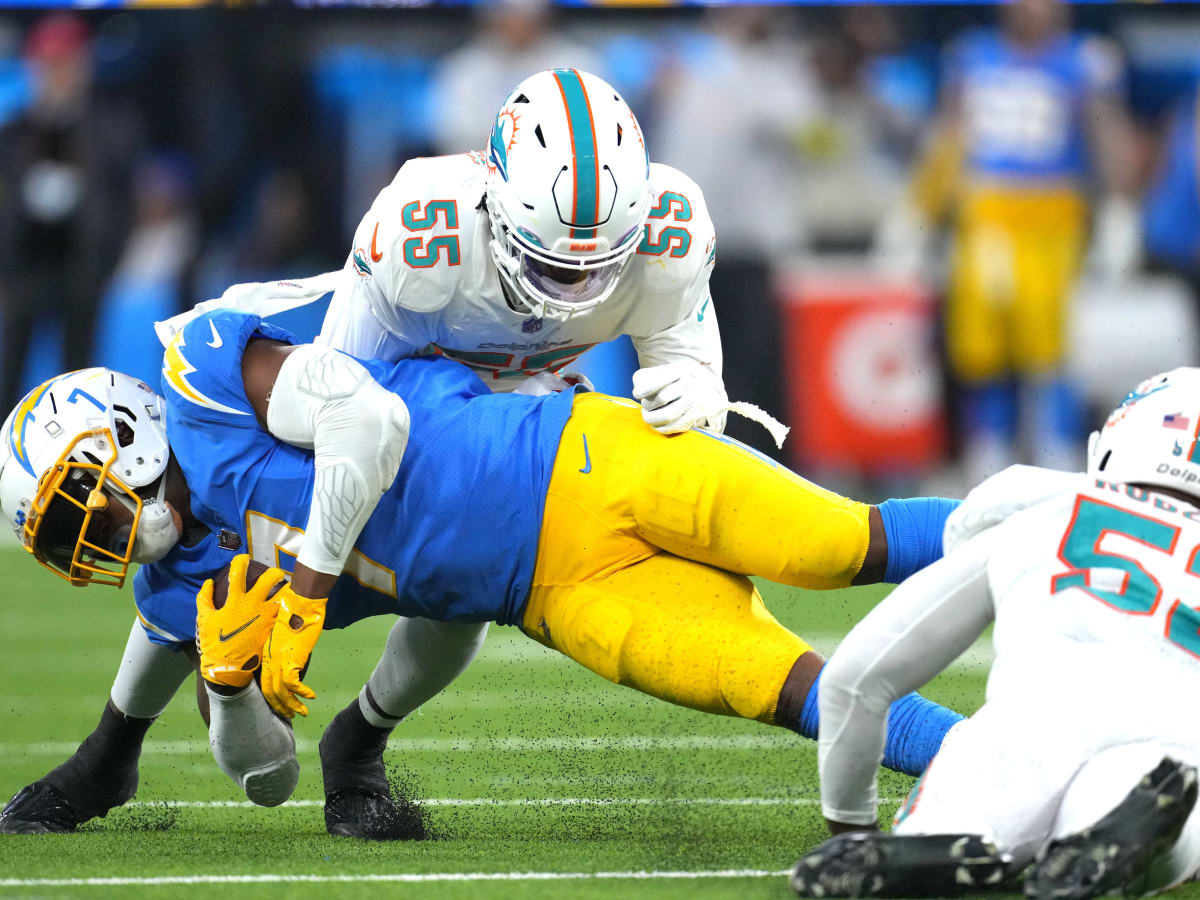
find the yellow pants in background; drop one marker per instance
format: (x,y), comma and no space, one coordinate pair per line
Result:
(1016,256)
(645,547)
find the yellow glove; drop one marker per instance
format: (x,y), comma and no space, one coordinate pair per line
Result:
(230,639)
(288,648)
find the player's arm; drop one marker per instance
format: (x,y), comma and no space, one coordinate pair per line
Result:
(1116,231)
(922,626)
(679,383)
(315,397)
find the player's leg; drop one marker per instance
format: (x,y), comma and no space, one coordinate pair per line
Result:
(102,773)
(982,280)
(1127,824)
(253,746)
(1048,257)
(701,637)
(421,658)
(998,821)
(707,498)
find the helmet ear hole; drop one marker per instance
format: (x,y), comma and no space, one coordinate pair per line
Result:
(1104,460)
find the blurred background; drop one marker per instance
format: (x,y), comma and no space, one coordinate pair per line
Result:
(949,237)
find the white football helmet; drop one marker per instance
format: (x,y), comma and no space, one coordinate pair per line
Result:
(70,447)
(1151,437)
(568,191)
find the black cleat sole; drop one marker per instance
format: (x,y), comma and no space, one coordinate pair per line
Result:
(870,864)
(1112,856)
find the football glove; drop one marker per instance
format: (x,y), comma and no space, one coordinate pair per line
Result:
(230,639)
(288,648)
(679,395)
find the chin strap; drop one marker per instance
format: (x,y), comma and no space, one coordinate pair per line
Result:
(157,532)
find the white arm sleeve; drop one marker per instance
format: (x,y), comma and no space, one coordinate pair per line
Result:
(922,626)
(696,342)
(326,401)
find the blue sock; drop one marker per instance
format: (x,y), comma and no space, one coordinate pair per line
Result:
(915,730)
(914,533)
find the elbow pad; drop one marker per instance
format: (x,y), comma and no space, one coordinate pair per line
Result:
(326,401)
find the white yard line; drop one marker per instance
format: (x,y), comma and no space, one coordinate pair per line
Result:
(388,877)
(768,740)
(519,802)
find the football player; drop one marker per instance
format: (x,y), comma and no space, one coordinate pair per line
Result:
(1095,596)
(514,261)
(563,514)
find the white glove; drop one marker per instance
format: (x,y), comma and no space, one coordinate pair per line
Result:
(544,383)
(1005,493)
(679,395)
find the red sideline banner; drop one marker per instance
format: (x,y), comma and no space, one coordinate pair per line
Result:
(863,375)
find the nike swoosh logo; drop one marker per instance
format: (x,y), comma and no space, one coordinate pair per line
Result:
(216,341)
(376,256)
(223,637)
(587,460)
(703,309)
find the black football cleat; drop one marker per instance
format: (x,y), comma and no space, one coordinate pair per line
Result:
(359,801)
(373,816)
(1113,855)
(870,864)
(39,808)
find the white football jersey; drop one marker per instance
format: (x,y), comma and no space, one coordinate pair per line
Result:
(1096,592)
(421,266)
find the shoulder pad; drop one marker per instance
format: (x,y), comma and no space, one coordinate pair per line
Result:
(418,238)
(1002,495)
(202,363)
(679,242)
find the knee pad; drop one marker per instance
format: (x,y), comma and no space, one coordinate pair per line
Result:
(755,663)
(253,746)
(272,784)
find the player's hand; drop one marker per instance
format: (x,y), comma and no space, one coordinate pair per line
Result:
(677,396)
(230,639)
(288,648)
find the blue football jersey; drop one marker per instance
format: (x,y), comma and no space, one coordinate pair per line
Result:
(1024,109)
(454,538)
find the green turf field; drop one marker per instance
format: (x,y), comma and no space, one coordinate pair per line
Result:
(538,775)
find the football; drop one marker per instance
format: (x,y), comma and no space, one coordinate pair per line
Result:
(221,582)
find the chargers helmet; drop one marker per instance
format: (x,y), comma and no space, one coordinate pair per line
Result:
(568,191)
(1151,437)
(71,446)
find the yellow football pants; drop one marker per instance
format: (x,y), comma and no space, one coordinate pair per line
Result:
(646,541)
(1016,256)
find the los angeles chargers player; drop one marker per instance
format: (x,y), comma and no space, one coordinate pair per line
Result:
(492,500)
(515,261)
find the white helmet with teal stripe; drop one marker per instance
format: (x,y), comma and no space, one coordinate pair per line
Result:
(1153,436)
(567,191)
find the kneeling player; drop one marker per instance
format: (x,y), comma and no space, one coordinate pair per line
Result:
(1083,759)
(564,514)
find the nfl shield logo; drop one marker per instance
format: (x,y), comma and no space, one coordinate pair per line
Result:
(529,326)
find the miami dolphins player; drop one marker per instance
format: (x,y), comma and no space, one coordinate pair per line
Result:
(493,502)
(515,261)
(1103,568)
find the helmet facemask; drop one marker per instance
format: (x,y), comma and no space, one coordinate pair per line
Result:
(554,285)
(84,523)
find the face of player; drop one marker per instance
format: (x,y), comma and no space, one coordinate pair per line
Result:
(569,285)
(109,527)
